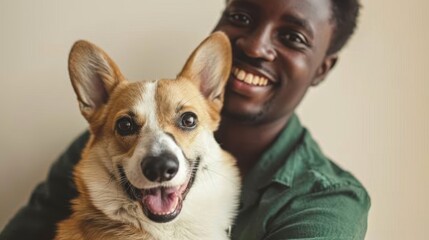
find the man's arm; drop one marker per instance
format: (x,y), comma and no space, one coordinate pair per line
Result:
(50,200)
(339,212)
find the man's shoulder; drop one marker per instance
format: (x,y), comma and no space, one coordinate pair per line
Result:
(297,191)
(321,197)
(314,169)
(326,172)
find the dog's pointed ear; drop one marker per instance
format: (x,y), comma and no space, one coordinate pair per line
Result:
(93,75)
(209,67)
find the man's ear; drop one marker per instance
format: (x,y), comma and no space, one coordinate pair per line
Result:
(209,67)
(93,75)
(327,65)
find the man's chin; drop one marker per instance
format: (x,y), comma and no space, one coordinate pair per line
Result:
(243,110)
(241,116)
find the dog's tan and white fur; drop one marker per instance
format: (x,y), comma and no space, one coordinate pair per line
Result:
(130,122)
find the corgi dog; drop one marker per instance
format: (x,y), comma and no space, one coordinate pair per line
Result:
(152,168)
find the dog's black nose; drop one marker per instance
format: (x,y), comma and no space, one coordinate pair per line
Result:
(160,168)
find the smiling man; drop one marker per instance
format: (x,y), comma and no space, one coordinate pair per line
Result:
(291,190)
(281,48)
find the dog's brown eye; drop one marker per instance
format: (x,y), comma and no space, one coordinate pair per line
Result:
(125,126)
(188,120)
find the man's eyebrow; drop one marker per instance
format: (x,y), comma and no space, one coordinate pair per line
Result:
(300,22)
(245,4)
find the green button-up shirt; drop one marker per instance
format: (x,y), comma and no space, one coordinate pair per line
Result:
(295,192)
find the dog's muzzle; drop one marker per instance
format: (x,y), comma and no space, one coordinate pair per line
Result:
(160,204)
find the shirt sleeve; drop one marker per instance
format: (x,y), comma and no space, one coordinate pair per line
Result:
(50,200)
(339,212)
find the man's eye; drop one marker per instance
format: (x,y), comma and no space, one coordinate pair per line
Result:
(239,18)
(293,38)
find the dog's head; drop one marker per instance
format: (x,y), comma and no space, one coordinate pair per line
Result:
(148,137)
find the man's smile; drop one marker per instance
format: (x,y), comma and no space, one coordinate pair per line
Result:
(249,78)
(249,82)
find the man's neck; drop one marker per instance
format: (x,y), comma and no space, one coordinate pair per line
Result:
(247,142)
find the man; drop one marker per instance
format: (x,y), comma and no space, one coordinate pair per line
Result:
(291,190)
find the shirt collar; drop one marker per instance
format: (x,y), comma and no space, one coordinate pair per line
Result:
(273,165)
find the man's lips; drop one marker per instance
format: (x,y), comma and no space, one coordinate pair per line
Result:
(252,75)
(249,78)
(249,82)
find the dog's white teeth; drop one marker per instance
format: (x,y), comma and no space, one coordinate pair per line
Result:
(164,213)
(249,78)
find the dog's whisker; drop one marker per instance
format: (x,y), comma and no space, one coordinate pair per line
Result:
(109,181)
(209,180)
(222,175)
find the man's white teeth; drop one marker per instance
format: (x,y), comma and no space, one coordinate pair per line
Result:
(241,75)
(249,78)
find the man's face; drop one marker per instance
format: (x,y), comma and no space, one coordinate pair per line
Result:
(279,51)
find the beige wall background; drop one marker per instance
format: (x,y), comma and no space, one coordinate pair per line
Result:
(370,116)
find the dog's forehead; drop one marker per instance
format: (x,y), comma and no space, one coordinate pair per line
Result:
(127,95)
(177,93)
(156,97)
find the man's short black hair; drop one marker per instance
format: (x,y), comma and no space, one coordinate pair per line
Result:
(344,15)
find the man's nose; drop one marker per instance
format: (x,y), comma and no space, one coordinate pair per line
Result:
(257,44)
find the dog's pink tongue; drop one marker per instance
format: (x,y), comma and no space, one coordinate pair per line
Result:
(162,201)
